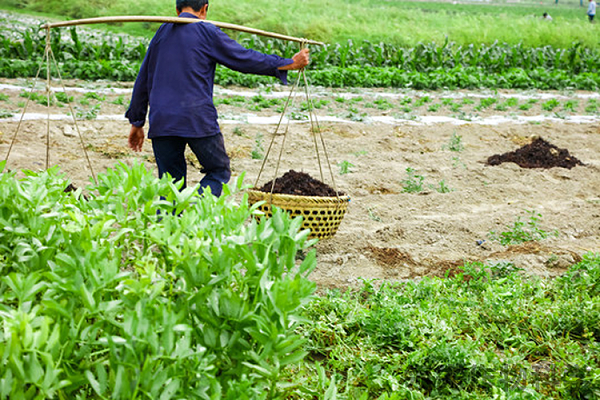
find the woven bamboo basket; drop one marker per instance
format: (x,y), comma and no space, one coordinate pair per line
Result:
(322,215)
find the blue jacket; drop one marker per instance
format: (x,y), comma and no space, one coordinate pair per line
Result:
(177,76)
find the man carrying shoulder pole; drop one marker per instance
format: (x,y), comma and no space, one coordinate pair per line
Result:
(176,82)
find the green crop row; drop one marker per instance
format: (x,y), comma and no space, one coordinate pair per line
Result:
(423,57)
(455,78)
(495,58)
(71,44)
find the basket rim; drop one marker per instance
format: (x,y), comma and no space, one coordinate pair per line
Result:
(260,193)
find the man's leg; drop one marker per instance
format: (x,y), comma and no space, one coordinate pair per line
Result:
(213,157)
(169,153)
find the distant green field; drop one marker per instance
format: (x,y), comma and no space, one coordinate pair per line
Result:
(403,23)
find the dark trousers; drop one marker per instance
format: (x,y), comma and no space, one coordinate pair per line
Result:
(169,152)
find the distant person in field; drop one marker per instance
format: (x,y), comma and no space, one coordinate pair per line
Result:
(547,17)
(591,11)
(176,82)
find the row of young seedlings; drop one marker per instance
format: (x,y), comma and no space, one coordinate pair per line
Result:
(87,45)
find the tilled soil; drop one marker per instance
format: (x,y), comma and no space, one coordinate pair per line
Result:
(386,233)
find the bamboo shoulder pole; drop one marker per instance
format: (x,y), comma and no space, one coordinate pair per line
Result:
(177,20)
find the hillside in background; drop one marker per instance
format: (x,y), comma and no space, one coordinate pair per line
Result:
(391,22)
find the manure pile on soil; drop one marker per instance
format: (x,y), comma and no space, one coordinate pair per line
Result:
(537,154)
(299,184)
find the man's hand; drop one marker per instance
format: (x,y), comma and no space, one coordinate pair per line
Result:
(136,138)
(301,60)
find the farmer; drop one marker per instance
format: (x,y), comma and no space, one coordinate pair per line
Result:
(591,12)
(176,81)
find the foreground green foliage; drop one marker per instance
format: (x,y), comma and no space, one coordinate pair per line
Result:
(484,332)
(119,294)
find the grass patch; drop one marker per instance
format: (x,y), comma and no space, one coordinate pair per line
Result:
(522,232)
(483,332)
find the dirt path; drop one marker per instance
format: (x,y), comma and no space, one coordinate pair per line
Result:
(387,233)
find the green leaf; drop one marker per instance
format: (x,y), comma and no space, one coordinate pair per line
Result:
(93,382)
(170,389)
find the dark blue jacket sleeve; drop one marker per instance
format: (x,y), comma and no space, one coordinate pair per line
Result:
(138,108)
(228,52)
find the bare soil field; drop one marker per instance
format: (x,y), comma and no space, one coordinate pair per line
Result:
(388,233)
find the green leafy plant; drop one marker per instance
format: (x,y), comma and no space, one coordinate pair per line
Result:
(522,231)
(501,107)
(4,97)
(413,183)
(6,113)
(486,103)
(422,100)
(345,167)
(527,105)
(259,102)
(354,114)
(442,187)
(89,113)
(571,105)
(298,116)
(434,107)
(120,101)
(455,107)
(63,98)
(455,143)
(457,162)
(550,105)
(316,104)
(512,102)
(39,98)
(373,215)
(503,269)
(591,106)
(94,96)
(140,289)
(258,150)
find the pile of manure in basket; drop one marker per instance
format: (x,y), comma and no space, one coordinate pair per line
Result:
(299,184)
(538,154)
